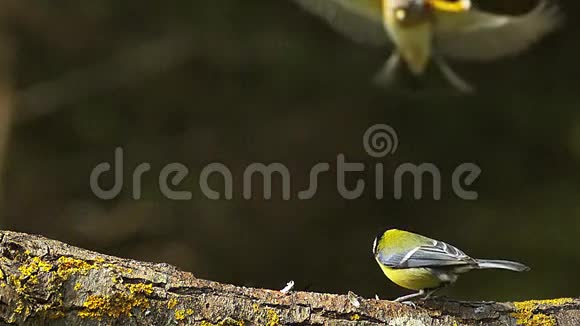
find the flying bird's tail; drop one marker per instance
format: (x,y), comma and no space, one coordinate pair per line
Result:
(452,77)
(387,76)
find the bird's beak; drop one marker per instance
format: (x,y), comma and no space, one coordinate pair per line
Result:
(447,6)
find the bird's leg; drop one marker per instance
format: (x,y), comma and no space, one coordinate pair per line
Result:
(430,292)
(453,78)
(386,76)
(410,296)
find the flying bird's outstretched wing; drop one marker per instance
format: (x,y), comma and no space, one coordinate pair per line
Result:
(360,20)
(479,36)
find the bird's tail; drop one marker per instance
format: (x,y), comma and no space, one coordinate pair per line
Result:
(502,264)
(452,77)
(387,76)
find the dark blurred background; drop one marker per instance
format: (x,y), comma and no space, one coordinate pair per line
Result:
(239,82)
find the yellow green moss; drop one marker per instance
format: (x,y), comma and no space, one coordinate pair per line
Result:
(140,288)
(68,266)
(171,303)
(19,307)
(226,322)
(95,306)
(525,314)
(179,314)
(273,318)
(119,304)
(57,314)
(17,284)
(36,264)
(33,279)
(52,310)
(29,270)
(256,307)
(115,306)
(355,317)
(28,273)
(115,267)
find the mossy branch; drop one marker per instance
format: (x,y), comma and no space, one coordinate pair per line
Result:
(44,281)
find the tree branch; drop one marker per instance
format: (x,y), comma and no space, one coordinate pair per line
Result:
(44,281)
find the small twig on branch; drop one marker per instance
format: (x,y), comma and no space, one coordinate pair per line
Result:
(48,282)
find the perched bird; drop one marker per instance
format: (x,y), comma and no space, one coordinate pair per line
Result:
(419,263)
(425,30)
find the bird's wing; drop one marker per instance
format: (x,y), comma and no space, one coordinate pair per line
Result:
(436,254)
(480,36)
(360,20)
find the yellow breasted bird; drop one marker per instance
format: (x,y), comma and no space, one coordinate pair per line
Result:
(422,264)
(422,30)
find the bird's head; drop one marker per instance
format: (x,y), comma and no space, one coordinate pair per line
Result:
(378,239)
(410,12)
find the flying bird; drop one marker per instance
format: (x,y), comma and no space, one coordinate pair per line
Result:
(422,31)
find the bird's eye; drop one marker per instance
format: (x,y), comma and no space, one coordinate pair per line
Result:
(400,14)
